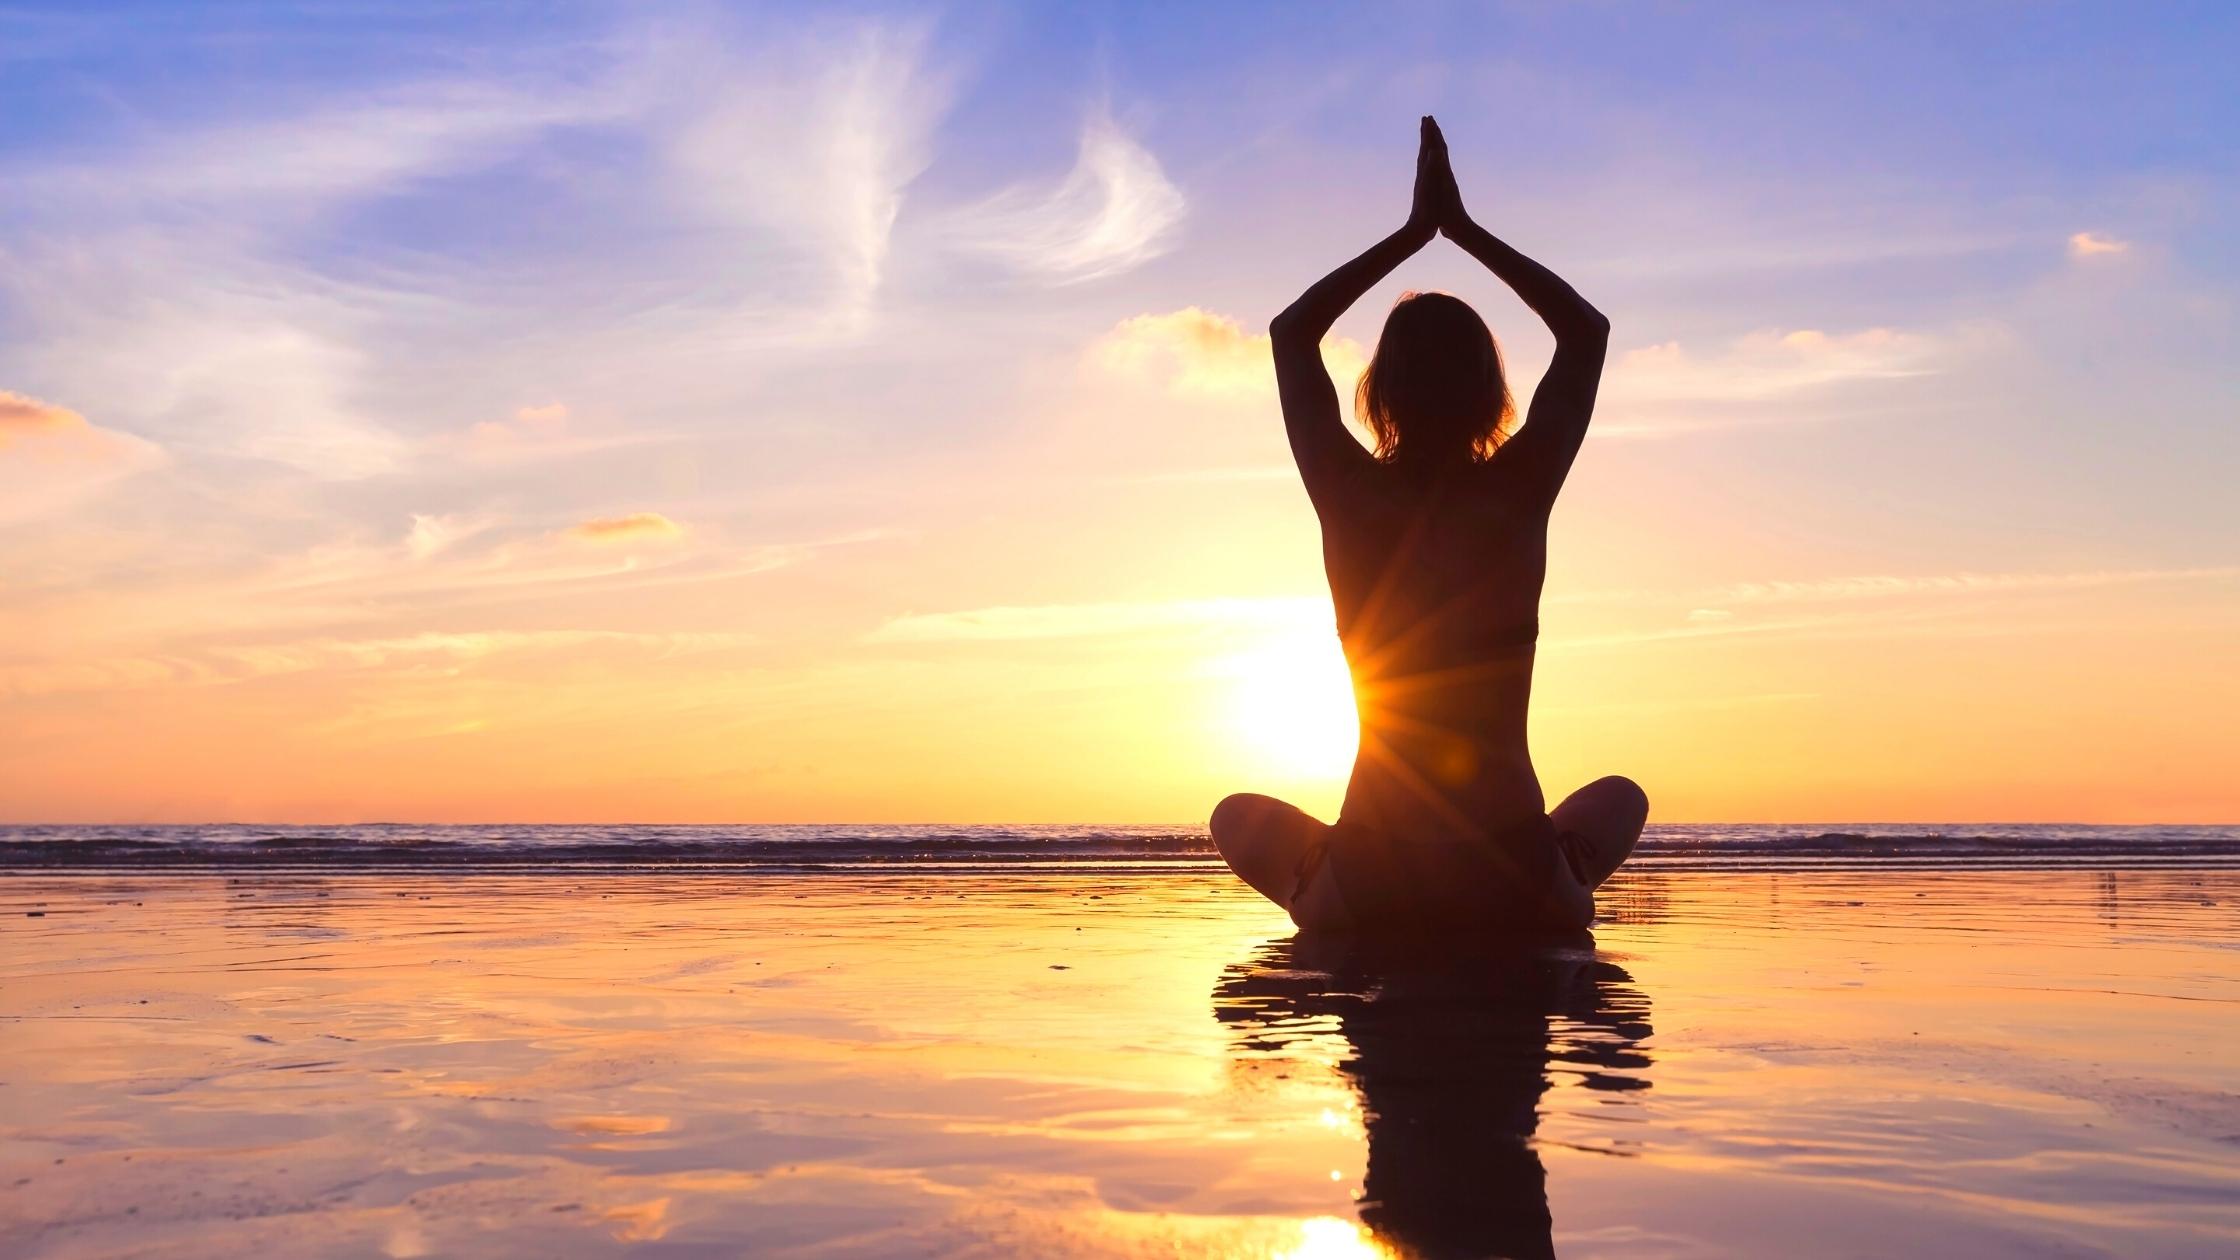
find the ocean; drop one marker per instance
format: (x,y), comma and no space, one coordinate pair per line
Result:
(835,847)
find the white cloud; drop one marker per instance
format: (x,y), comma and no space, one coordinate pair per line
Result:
(431,535)
(1768,363)
(2093,245)
(449,646)
(633,527)
(1195,351)
(443,652)
(194,286)
(814,139)
(190,336)
(1113,211)
(541,432)
(170,282)
(258,380)
(27,421)
(528,429)
(50,457)
(301,158)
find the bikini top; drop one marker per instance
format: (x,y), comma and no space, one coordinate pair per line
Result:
(1513,639)
(1492,643)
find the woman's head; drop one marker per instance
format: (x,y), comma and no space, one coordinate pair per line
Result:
(1435,392)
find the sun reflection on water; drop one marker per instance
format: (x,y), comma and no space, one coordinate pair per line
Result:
(1451,1057)
(1329,1238)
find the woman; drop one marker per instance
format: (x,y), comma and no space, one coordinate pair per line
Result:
(1436,546)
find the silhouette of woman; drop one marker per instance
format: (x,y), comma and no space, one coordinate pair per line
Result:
(1451,1054)
(1436,548)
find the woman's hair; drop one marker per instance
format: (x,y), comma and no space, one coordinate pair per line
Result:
(1435,390)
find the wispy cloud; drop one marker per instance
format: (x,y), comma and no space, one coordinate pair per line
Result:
(2094,245)
(51,456)
(1771,376)
(814,140)
(431,535)
(170,296)
(533,426)
(1196,351)
(1893,586)
(241,370)
(1768,363)
(1749,700)
(1011,623)
(1707,604)
(452,647)
(444,569)
(633,527)
(278,169)
(1113,211)
(540,432)
(23,420)
(429,651)
(1915,604)
(770,172)
(1020,622)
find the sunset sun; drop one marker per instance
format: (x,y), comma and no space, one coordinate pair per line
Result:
(1288,703)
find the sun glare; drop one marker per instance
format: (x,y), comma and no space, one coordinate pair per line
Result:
(1329,1238)
(1289,704)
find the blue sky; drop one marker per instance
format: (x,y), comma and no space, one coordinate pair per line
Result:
(332,327)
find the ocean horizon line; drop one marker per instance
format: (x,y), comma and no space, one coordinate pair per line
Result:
(829,847)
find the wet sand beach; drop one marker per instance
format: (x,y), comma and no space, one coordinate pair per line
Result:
(1847,1061)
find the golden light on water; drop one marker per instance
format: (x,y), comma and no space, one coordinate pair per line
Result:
(1330,1238)
(1288,702)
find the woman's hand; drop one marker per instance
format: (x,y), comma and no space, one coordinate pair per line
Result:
(1438,201)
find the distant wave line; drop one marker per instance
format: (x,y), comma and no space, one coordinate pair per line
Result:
(403,848)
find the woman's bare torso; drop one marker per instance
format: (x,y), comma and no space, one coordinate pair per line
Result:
(1437,593)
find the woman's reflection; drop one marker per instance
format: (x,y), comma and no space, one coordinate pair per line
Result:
(1450,1056)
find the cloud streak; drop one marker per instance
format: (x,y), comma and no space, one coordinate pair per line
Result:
(633,527)
(1114,211)
(51,457)
(432,535)
(428,651)
(1026,622)
(1195,351)
(1768,364)
(2095,245)
(1893,587)
(1018,623)
(815,140)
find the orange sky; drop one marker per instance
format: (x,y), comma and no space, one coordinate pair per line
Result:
(1083,630)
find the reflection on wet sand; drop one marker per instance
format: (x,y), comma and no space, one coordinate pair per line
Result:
(1450,1057)
(1009,1063)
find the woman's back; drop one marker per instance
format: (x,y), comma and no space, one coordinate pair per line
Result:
(1436,585)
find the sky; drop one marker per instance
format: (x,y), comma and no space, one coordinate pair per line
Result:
(861,413)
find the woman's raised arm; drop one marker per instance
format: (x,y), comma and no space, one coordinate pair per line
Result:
(1556,422)
(1311,415)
